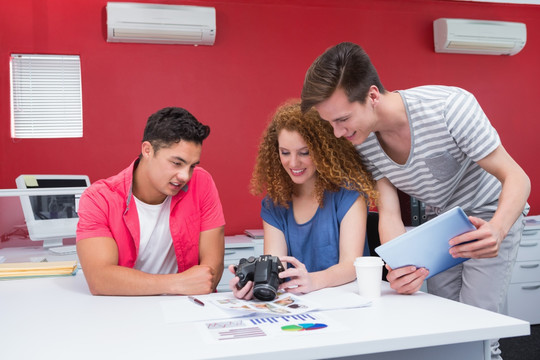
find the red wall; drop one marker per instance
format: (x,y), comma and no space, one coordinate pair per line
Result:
(262,51)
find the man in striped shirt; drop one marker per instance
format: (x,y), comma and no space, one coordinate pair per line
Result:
(436,144)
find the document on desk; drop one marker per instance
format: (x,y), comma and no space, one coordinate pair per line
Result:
(316,321)
(182,309)
(242,329)
(40,269)
(335,298)
(226,306)
(284,304)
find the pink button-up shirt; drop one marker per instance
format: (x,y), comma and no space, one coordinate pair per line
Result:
(107,209)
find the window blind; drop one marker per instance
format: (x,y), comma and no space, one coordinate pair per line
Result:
(46,100)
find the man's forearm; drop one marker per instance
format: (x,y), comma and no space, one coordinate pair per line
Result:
(119,280)
(512,200)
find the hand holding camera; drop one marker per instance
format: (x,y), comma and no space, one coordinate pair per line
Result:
(263,271)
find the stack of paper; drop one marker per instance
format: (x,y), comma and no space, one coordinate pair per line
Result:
(255,233)
(31,269)
(225,306)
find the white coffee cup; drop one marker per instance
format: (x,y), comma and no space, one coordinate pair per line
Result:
(369,275)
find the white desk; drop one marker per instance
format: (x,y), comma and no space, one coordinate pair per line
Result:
(57,318)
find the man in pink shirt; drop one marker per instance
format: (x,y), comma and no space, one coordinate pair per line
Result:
(157,227)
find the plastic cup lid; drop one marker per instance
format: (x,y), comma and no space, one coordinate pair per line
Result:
(368,261)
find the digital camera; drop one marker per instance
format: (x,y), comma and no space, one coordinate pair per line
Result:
(263,271)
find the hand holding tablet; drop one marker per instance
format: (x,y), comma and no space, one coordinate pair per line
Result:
(427,245)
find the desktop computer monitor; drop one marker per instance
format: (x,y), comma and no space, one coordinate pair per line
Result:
(51,218)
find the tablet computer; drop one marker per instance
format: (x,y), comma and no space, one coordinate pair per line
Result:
(427,244)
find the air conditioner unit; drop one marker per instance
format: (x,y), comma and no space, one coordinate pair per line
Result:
(160,24)
(486,37)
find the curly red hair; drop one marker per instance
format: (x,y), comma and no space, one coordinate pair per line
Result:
(337,162)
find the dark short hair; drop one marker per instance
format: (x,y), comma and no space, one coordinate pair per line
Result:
(171,125)
(345,65)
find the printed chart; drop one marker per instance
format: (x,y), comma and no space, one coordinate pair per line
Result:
(274,326)
(304,327)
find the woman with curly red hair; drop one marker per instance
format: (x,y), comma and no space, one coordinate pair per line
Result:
(317,196)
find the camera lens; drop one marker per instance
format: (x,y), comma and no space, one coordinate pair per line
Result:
(264,292)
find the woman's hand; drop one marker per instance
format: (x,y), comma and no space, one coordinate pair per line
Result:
(245,293)
(300,281)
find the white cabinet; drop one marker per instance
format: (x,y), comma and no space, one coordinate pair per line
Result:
(237,247)
(524,290)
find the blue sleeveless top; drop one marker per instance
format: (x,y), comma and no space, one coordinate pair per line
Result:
(316,242)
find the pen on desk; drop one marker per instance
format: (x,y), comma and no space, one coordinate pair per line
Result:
(195,300)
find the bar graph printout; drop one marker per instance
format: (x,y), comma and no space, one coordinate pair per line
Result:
(272,326)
